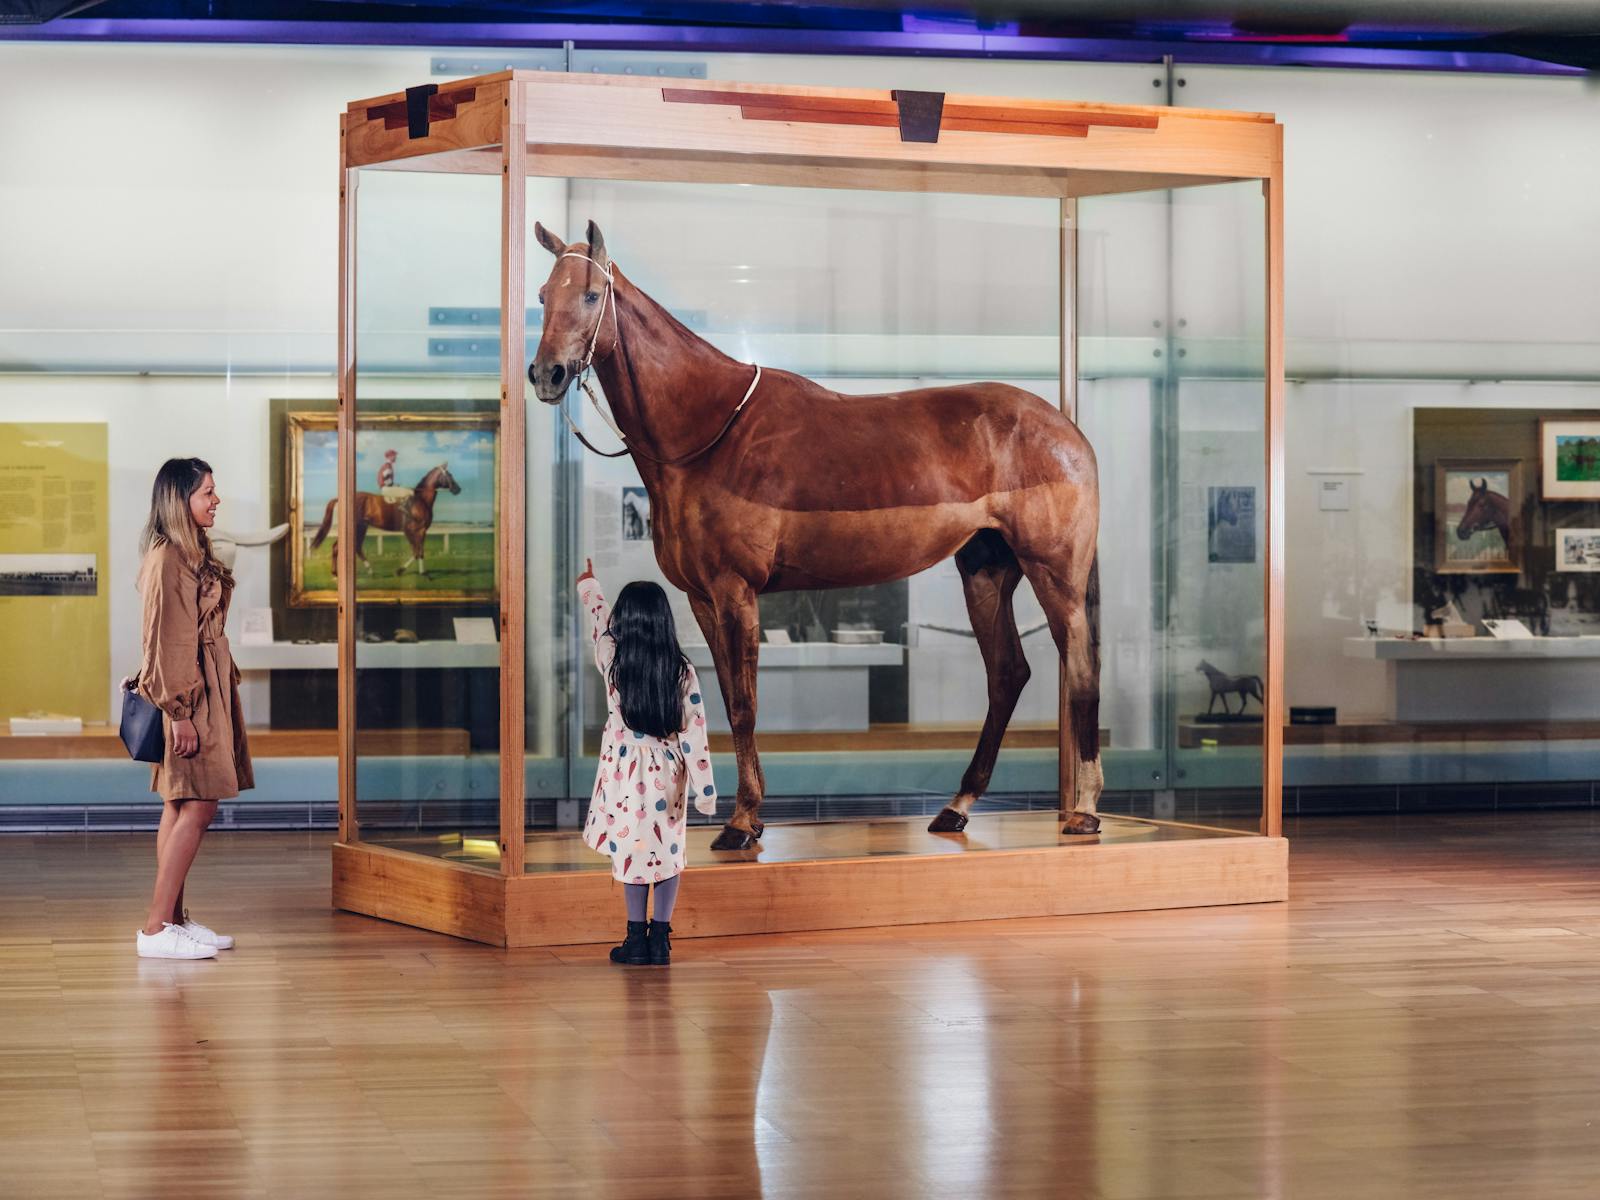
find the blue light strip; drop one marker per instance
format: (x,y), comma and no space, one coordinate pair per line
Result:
(922,38)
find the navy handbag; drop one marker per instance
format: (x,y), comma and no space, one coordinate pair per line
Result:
(141,729)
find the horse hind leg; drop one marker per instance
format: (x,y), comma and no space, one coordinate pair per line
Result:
(1072,606)
(989,576)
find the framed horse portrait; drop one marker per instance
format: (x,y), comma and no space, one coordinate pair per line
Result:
(1569,460)
(427,514)
(1477,505)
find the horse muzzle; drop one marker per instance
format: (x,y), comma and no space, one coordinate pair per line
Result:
(550,380)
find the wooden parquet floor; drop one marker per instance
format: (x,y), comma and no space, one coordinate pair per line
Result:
(1421,1020)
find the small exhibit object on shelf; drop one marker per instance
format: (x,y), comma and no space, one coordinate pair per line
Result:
(776,637)
(475,631)
(1507,629)
(1578,549)
(1569,460)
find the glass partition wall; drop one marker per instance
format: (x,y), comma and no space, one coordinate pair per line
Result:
(871,698)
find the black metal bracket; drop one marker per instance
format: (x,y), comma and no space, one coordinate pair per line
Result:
(417,108)
(920,114)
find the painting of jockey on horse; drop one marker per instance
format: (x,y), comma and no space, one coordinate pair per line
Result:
(424,521)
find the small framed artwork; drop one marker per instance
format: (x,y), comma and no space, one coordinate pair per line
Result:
(1231,524)
(1477,504)
(427,512)
(1569,460)
(1578,549)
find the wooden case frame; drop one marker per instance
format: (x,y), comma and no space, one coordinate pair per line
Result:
(520,123)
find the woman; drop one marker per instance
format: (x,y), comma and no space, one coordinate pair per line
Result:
(188,673)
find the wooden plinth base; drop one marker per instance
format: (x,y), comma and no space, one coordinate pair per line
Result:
(830,875)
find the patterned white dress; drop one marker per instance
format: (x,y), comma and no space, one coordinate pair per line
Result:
(638,813)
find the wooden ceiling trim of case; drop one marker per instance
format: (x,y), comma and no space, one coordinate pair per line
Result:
(1036,120)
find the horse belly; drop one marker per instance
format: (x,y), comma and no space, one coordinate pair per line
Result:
(851,549)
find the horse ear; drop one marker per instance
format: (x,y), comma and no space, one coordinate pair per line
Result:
(597,247)
(549,240)
(1478,487)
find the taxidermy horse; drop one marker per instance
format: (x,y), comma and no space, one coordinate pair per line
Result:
(412,517)
(1486,510)
(763,481)
(1244,686)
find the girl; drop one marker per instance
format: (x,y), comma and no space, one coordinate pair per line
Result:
(188,673)
(653,757)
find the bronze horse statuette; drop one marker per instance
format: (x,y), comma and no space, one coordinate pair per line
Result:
(412,517)
(763,481)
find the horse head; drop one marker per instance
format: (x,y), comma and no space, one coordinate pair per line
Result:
(1205,668)
(440,477)
(577,329)
(1485,510)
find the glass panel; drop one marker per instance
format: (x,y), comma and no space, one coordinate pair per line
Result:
(428,460)
(1216,536)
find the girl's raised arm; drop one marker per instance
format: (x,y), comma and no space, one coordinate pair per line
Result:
(592,598)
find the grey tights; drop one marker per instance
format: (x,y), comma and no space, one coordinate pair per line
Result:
(635,895)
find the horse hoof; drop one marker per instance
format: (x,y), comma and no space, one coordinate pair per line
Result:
(1080,822)
(734,838)
(948,820)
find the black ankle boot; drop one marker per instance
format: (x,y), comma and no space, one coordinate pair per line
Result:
(635,949)
(660,943)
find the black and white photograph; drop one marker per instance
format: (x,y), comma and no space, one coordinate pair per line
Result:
(1231,524)
(635,515)
(48,575)
(1578,550)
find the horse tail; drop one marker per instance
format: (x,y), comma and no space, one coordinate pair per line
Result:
(327,521)
(1260,688)
(1091,610)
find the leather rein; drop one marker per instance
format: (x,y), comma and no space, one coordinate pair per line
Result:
(608,299)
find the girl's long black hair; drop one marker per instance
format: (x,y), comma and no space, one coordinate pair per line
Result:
(649,667)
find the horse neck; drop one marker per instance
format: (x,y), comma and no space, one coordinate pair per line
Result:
(671,391)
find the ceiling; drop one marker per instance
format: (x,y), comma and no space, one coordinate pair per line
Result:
(1558,32)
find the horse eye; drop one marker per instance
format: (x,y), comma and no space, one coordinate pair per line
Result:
(591,297)
(541,296)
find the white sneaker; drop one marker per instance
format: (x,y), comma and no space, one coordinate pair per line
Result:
(206,937)
(172,942)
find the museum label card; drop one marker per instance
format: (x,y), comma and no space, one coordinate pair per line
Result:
(475,631)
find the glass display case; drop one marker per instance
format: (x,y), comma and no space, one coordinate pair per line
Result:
(872,243)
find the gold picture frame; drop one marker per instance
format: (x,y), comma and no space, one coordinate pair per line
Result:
(465,570)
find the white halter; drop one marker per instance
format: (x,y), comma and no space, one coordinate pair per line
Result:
(607,299)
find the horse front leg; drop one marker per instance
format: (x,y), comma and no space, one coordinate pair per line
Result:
(732,624)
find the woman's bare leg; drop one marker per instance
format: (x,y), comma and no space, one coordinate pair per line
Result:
(177,855)
(169,819)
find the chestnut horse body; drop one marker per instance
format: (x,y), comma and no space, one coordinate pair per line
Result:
(412,517)
(802,487)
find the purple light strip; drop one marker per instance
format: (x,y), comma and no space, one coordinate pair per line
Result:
(706,39)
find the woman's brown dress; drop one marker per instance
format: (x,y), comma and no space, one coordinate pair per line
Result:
(188,673)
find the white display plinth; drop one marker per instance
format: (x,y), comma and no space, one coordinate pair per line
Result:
(1489,679)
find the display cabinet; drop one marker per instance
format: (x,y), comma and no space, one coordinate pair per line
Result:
(876,242)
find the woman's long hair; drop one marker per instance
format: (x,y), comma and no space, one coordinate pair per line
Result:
(649,667)
(172,524)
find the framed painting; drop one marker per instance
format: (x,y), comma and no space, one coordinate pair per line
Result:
(1477,505)
(1569,460)
(428,508)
